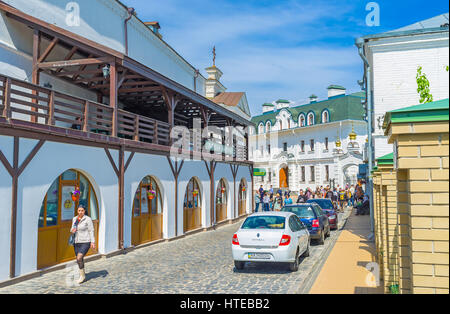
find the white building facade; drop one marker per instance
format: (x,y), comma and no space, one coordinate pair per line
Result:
(317,144)
(394,58)
(90,102)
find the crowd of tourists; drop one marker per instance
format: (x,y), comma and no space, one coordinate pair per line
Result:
(347,196)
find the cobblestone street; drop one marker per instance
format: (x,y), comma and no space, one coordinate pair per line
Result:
(198,264)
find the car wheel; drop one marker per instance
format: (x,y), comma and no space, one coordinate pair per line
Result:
(239,265)
(306,254)
(294,266)
(329,231)
(322,238)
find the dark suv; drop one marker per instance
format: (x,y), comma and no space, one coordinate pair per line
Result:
(313,218)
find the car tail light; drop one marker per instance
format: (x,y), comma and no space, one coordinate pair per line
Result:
(315,223)
(285,240)
(235,240)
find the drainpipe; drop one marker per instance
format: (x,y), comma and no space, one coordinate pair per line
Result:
(197,73)
(359,42)
(130,14)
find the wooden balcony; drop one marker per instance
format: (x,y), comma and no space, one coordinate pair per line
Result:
(38,108)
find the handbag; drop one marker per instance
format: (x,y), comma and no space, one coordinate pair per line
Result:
(72,235)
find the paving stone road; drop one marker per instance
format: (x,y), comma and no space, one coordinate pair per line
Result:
(198,264)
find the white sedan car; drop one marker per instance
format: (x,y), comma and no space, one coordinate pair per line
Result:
(270,237)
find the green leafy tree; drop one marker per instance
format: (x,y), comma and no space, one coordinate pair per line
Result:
(423,87)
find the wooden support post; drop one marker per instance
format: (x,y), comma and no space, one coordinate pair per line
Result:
(176,169)
(136,127)
(7,98)
(51,108)
(35,77)
(113,101)
(15,170)
(121,194)
(86,117)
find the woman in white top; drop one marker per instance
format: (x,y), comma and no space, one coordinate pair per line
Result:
(83,228)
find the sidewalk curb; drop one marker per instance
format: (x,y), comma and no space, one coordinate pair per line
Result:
(317,267)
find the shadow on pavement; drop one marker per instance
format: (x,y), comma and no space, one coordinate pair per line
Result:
(96,274)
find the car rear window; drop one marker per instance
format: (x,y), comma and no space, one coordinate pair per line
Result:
(264,222)
(324,204)
(300,211)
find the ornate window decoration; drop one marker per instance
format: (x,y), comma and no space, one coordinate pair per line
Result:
(301,120)
(311,118)
(325,116)
(261,128)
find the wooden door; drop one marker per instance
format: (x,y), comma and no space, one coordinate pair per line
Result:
(221,202)
(56,215)
(146,225)
(283,178)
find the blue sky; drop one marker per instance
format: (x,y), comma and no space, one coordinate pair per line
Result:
(278,49)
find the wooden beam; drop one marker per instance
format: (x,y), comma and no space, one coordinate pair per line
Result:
(76,62)
(111,160)
(48,50)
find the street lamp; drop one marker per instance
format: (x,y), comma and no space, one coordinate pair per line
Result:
(106,71)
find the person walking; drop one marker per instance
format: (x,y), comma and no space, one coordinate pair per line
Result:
(277,202)
(257,202)
(261,192)
(266,200)
(271,191)
(83,229)
(301,197)
(288,200)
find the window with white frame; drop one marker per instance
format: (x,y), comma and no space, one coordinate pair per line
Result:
(325,116)
(261,128)
(311,118)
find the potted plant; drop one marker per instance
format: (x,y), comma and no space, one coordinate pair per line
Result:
(151,194)
(76,194)
(195,192)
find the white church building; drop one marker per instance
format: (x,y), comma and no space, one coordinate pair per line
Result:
(315,144)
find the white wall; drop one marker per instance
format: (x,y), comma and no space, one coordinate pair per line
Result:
(395,62)
(102,21)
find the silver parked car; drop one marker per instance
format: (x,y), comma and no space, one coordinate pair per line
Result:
(271,237)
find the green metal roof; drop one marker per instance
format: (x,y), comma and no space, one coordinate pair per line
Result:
(268,105)
(283,101)
(346,107)
(428,112)
(336,87)
(386,160)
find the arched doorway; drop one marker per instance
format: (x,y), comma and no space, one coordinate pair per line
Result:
(221,201)
(284,179)
(242,198)
(55,218)
(192,206)
(351,174)
(147,221)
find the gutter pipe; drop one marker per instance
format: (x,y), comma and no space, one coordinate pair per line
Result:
(359,42)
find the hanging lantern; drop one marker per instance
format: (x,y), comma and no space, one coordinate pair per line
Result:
(151,194)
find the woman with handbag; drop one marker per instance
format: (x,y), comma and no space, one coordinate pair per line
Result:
(82,238)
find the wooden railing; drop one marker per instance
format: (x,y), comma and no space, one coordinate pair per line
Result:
(25,101)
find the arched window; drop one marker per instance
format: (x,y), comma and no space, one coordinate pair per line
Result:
(60,205)
(311,118)
(268,126)
(261,128)
(192,206)
(221,201)
(281,124)
(242,198)
(301,120)
(325,116)
(147,212)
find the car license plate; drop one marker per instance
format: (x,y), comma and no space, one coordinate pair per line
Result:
(258,256)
